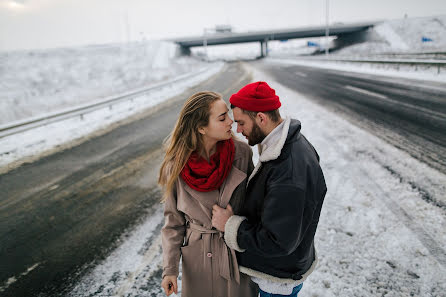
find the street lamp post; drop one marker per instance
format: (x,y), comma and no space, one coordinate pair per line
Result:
(205,41)
(326,28)
(205,44)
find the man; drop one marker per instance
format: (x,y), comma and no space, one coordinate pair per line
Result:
(275,236)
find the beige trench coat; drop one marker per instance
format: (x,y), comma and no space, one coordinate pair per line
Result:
(209,267)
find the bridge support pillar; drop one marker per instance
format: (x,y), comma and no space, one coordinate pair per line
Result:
(185,51)
(264,48)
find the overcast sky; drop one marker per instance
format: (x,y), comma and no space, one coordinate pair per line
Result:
(26,24)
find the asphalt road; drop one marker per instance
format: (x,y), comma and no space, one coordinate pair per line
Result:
(409,114)
(63,212)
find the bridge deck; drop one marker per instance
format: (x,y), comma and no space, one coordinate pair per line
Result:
(261,36)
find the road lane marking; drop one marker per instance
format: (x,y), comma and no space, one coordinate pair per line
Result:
(53,187)
(365,92)
(13,279)
(301,74)
(437,115)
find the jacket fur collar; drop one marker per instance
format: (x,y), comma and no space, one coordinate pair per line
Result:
(273,152)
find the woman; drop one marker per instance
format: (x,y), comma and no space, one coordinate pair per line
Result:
(204,165)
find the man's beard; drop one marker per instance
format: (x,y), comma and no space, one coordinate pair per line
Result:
(256,136)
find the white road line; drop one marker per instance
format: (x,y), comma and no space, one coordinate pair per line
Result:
(365,92)
(13,279)
(434,114)
(301,74)
(53,187)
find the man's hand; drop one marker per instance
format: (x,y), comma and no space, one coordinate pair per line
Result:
(220,216)
(169,284)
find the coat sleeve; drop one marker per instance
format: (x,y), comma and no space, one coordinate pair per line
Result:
(282,226)
(172,235)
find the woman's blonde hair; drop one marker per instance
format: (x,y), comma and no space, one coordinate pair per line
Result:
(185,138)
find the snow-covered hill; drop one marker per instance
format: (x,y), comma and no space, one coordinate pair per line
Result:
(43,81)
(403,36)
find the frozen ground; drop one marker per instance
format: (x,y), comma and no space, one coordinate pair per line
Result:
(377,236)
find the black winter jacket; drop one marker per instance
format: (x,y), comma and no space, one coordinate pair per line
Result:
(282,207)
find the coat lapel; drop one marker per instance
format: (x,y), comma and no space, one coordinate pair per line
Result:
(235,178)
(207,199)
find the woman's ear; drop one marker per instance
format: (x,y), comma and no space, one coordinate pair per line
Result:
(202,131)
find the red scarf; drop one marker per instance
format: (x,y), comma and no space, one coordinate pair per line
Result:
(205,177)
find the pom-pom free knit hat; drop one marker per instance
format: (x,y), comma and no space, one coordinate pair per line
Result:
(258,96)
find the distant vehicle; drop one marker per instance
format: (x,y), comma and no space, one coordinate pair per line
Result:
(223,28)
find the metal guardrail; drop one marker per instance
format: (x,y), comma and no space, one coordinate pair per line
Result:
(437,64)
(390,61)
(436,55)
(411,62)
(80,110)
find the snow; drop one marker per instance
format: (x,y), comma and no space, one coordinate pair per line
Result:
(42,81)
(406,34)
(394,40)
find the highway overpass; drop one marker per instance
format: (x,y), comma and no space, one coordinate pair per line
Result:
(346,31)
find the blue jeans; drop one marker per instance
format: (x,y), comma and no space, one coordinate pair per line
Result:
(293,294)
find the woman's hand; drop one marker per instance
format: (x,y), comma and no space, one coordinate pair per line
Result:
(169,284)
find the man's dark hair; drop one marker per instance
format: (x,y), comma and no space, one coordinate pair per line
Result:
(274,115)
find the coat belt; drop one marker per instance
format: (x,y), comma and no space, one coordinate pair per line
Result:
(228,261)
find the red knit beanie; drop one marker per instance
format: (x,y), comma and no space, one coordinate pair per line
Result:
(256,96)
